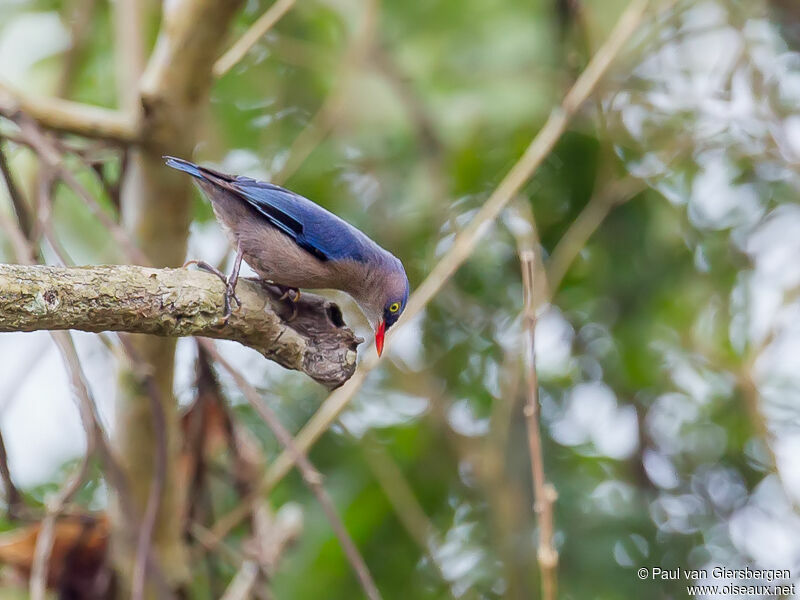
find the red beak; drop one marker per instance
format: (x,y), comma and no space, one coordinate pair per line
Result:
(379,333)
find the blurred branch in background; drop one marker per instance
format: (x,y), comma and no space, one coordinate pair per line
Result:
(53,161)
(12,495)
(617,192)
(22,210)
(44,540)
(82,14)
(311,477)
(327,115)
(250,38)
(69,117)
(129,54)
(40,564)
(544,493)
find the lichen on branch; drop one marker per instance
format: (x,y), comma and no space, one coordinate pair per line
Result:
(180,302)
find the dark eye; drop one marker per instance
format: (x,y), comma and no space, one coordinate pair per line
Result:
(394,307)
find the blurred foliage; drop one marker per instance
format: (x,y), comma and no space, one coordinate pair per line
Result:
(669,356)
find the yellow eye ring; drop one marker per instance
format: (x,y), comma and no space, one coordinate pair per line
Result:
(394,307)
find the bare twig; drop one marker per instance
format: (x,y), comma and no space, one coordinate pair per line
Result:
(250,38)
(586,223)
(273,533)
(80,28)
(20,247)
(544,493)
(418,114)
(314,132)
(328,113)
(44,541)
(13,496)
(51,157)
(504,494)
(311,477)
(244,581)
(405,504)
(20,207)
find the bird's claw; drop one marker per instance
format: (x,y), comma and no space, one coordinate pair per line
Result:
(209,268)
(293,295)
(230,288)
(229,298)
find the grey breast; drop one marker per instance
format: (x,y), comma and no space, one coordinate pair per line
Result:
(271,253)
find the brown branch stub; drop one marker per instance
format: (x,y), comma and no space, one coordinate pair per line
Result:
(179,302)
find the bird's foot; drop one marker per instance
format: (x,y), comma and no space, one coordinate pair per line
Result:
(293,295)
(230,287)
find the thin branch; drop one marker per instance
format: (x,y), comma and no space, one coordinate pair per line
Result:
(80,28)
(274,533)
(586,223)
(405,504)
(13,497)
(51,157)
(504,494)
(329,112)
(314,132)
(21,208)
(71,117)
(537,151)
(87,407)
(544,493)
(128,53)
(418,114)
(46,536)
(241,586)
(250,38)
(311,477)
(179,302)
(20,247)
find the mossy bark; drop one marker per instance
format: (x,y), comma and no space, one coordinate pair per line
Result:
(171,303)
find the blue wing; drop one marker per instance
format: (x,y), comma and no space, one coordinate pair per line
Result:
(313,228)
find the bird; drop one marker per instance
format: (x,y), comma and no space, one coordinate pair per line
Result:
(294,243)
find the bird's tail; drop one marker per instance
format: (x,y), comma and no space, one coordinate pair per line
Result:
(185,166)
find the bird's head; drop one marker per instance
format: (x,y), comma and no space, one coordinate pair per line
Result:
(386,302)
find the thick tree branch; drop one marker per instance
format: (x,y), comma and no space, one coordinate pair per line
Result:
(179,302)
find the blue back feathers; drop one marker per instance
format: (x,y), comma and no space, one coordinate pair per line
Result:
(313,228)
